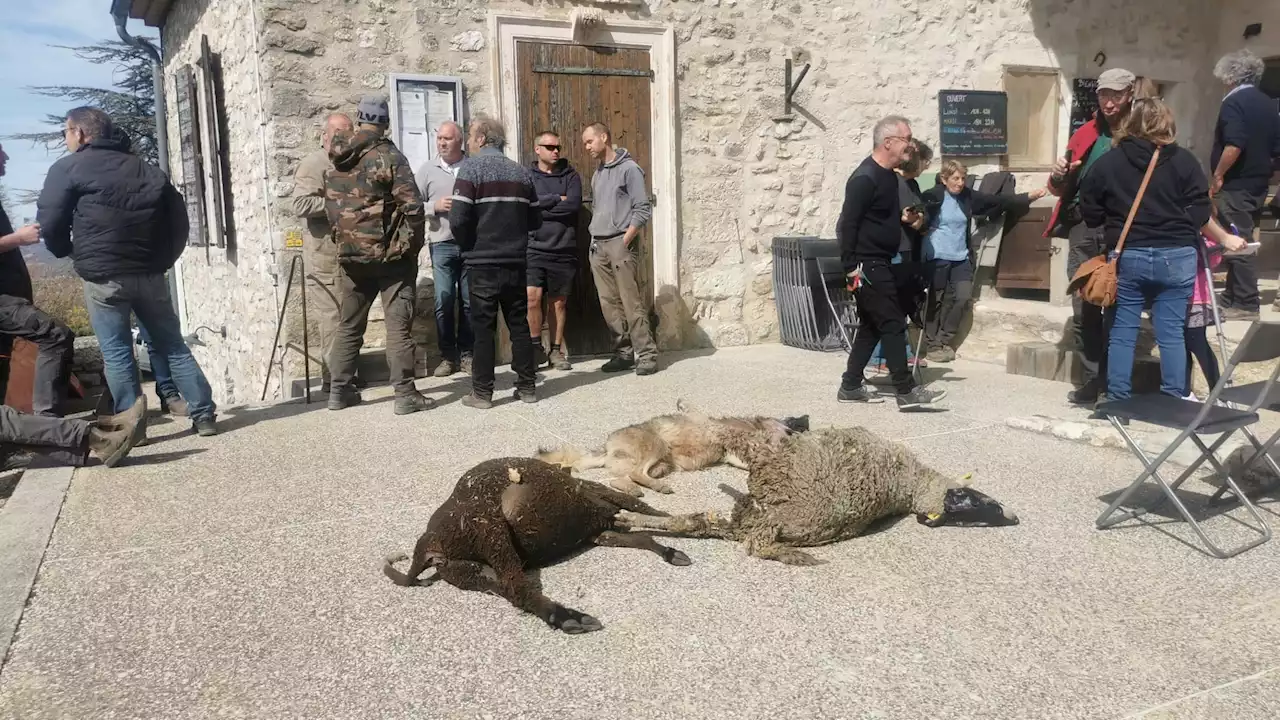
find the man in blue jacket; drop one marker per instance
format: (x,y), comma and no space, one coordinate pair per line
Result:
(1245,140)
(553,247)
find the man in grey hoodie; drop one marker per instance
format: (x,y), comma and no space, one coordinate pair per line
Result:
(620,207)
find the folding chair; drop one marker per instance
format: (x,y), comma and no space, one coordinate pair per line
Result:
(1260,343)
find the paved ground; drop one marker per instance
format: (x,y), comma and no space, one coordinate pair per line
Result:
(238,576)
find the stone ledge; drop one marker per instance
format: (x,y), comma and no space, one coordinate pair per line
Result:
(1049,361)
(1099,433)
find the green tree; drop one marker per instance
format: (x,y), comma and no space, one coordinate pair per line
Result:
(130,102)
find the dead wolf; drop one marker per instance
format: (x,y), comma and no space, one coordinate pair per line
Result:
(512,514)
(825,486)
(644,453)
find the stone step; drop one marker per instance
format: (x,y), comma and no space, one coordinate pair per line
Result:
(1050,361)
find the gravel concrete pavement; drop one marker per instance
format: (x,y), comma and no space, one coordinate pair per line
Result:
(239,577)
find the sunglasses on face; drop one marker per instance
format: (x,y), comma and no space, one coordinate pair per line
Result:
(552,148)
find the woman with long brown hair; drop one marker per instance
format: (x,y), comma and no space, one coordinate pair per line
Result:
(1158,257)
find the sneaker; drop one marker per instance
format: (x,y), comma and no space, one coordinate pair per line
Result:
(941,354)
(618,363)
(445,368)
(342,399)
(1235,313)
(529,396)
(918,397)
(915,360)
(558,359)
(477,402)
(539,354)
(464,366)
(413,402)
(175,406)
(859,394)
(205,427)
(647,367)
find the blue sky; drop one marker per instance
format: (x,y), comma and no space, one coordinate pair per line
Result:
(27,30)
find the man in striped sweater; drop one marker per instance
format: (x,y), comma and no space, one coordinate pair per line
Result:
(494,210)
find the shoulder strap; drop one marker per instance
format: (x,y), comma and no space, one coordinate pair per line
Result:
(1151,167)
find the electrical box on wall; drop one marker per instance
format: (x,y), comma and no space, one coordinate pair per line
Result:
(418,104)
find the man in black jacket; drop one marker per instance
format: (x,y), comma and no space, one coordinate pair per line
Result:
(20,318)
(869,232)
(129,225)
(1245,140)
(553,247)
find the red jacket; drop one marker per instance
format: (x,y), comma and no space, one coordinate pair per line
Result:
(1080,145)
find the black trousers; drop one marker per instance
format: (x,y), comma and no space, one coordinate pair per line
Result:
(62,440)
(492,288)
(1244,210)
(1092,330)
(885,298)
(56,343)
(950,290)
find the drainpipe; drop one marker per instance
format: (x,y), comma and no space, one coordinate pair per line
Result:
(120,11)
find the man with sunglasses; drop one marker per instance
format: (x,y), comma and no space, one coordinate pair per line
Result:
(1093,140)
(553,247)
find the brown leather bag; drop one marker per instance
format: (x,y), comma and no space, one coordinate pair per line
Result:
(1095,281)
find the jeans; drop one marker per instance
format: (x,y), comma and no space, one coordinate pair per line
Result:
(452,281)
(1244,210)
(110,305)
(493,288)
(1165,277)
(56,351)
(165,387)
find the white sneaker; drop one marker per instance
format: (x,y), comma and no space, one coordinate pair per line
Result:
(1192,397)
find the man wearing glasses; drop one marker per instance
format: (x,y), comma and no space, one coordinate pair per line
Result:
(869,232)
(553,247)
(1090,142)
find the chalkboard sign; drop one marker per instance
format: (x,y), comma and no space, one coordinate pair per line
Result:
(1084,101)
(973,122)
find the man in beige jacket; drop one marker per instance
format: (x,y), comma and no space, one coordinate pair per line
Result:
(319,251)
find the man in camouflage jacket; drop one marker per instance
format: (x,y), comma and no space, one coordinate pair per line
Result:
(376,212)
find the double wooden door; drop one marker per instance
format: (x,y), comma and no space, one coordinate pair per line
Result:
(564,88)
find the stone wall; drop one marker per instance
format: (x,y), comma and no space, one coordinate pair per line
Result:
(231,287)
(744,177)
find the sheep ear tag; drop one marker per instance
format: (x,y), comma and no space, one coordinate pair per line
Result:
(932,520)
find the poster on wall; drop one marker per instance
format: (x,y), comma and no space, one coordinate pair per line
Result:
(1084,101)
(973,122)
(418,104)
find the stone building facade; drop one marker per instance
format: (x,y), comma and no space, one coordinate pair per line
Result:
(729,174)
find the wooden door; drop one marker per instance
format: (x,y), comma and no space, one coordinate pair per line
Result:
(564,88)
(1025,254)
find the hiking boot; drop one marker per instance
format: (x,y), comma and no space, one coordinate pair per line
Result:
(528,396)
(617,363)
(342,399)
(647,367)
(205,427)
(558,360)
(358,382)
(539,354)
(941,354)
(412,403)
(464,366)
(110,446)
(1086,395)
(175,406)
(919,396)
(860,394)
(477,402)
(1235,313)
(445,368)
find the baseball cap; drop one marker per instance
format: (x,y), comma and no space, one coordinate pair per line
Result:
(1116,79)
(373,110)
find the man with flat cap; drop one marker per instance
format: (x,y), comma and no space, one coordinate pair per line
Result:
(376,212)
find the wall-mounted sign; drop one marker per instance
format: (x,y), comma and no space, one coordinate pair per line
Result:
(419,103)
(973,122)
(1084,101)
(293,238)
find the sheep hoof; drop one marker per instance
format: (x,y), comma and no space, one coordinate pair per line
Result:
(675,557)
(573,622)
